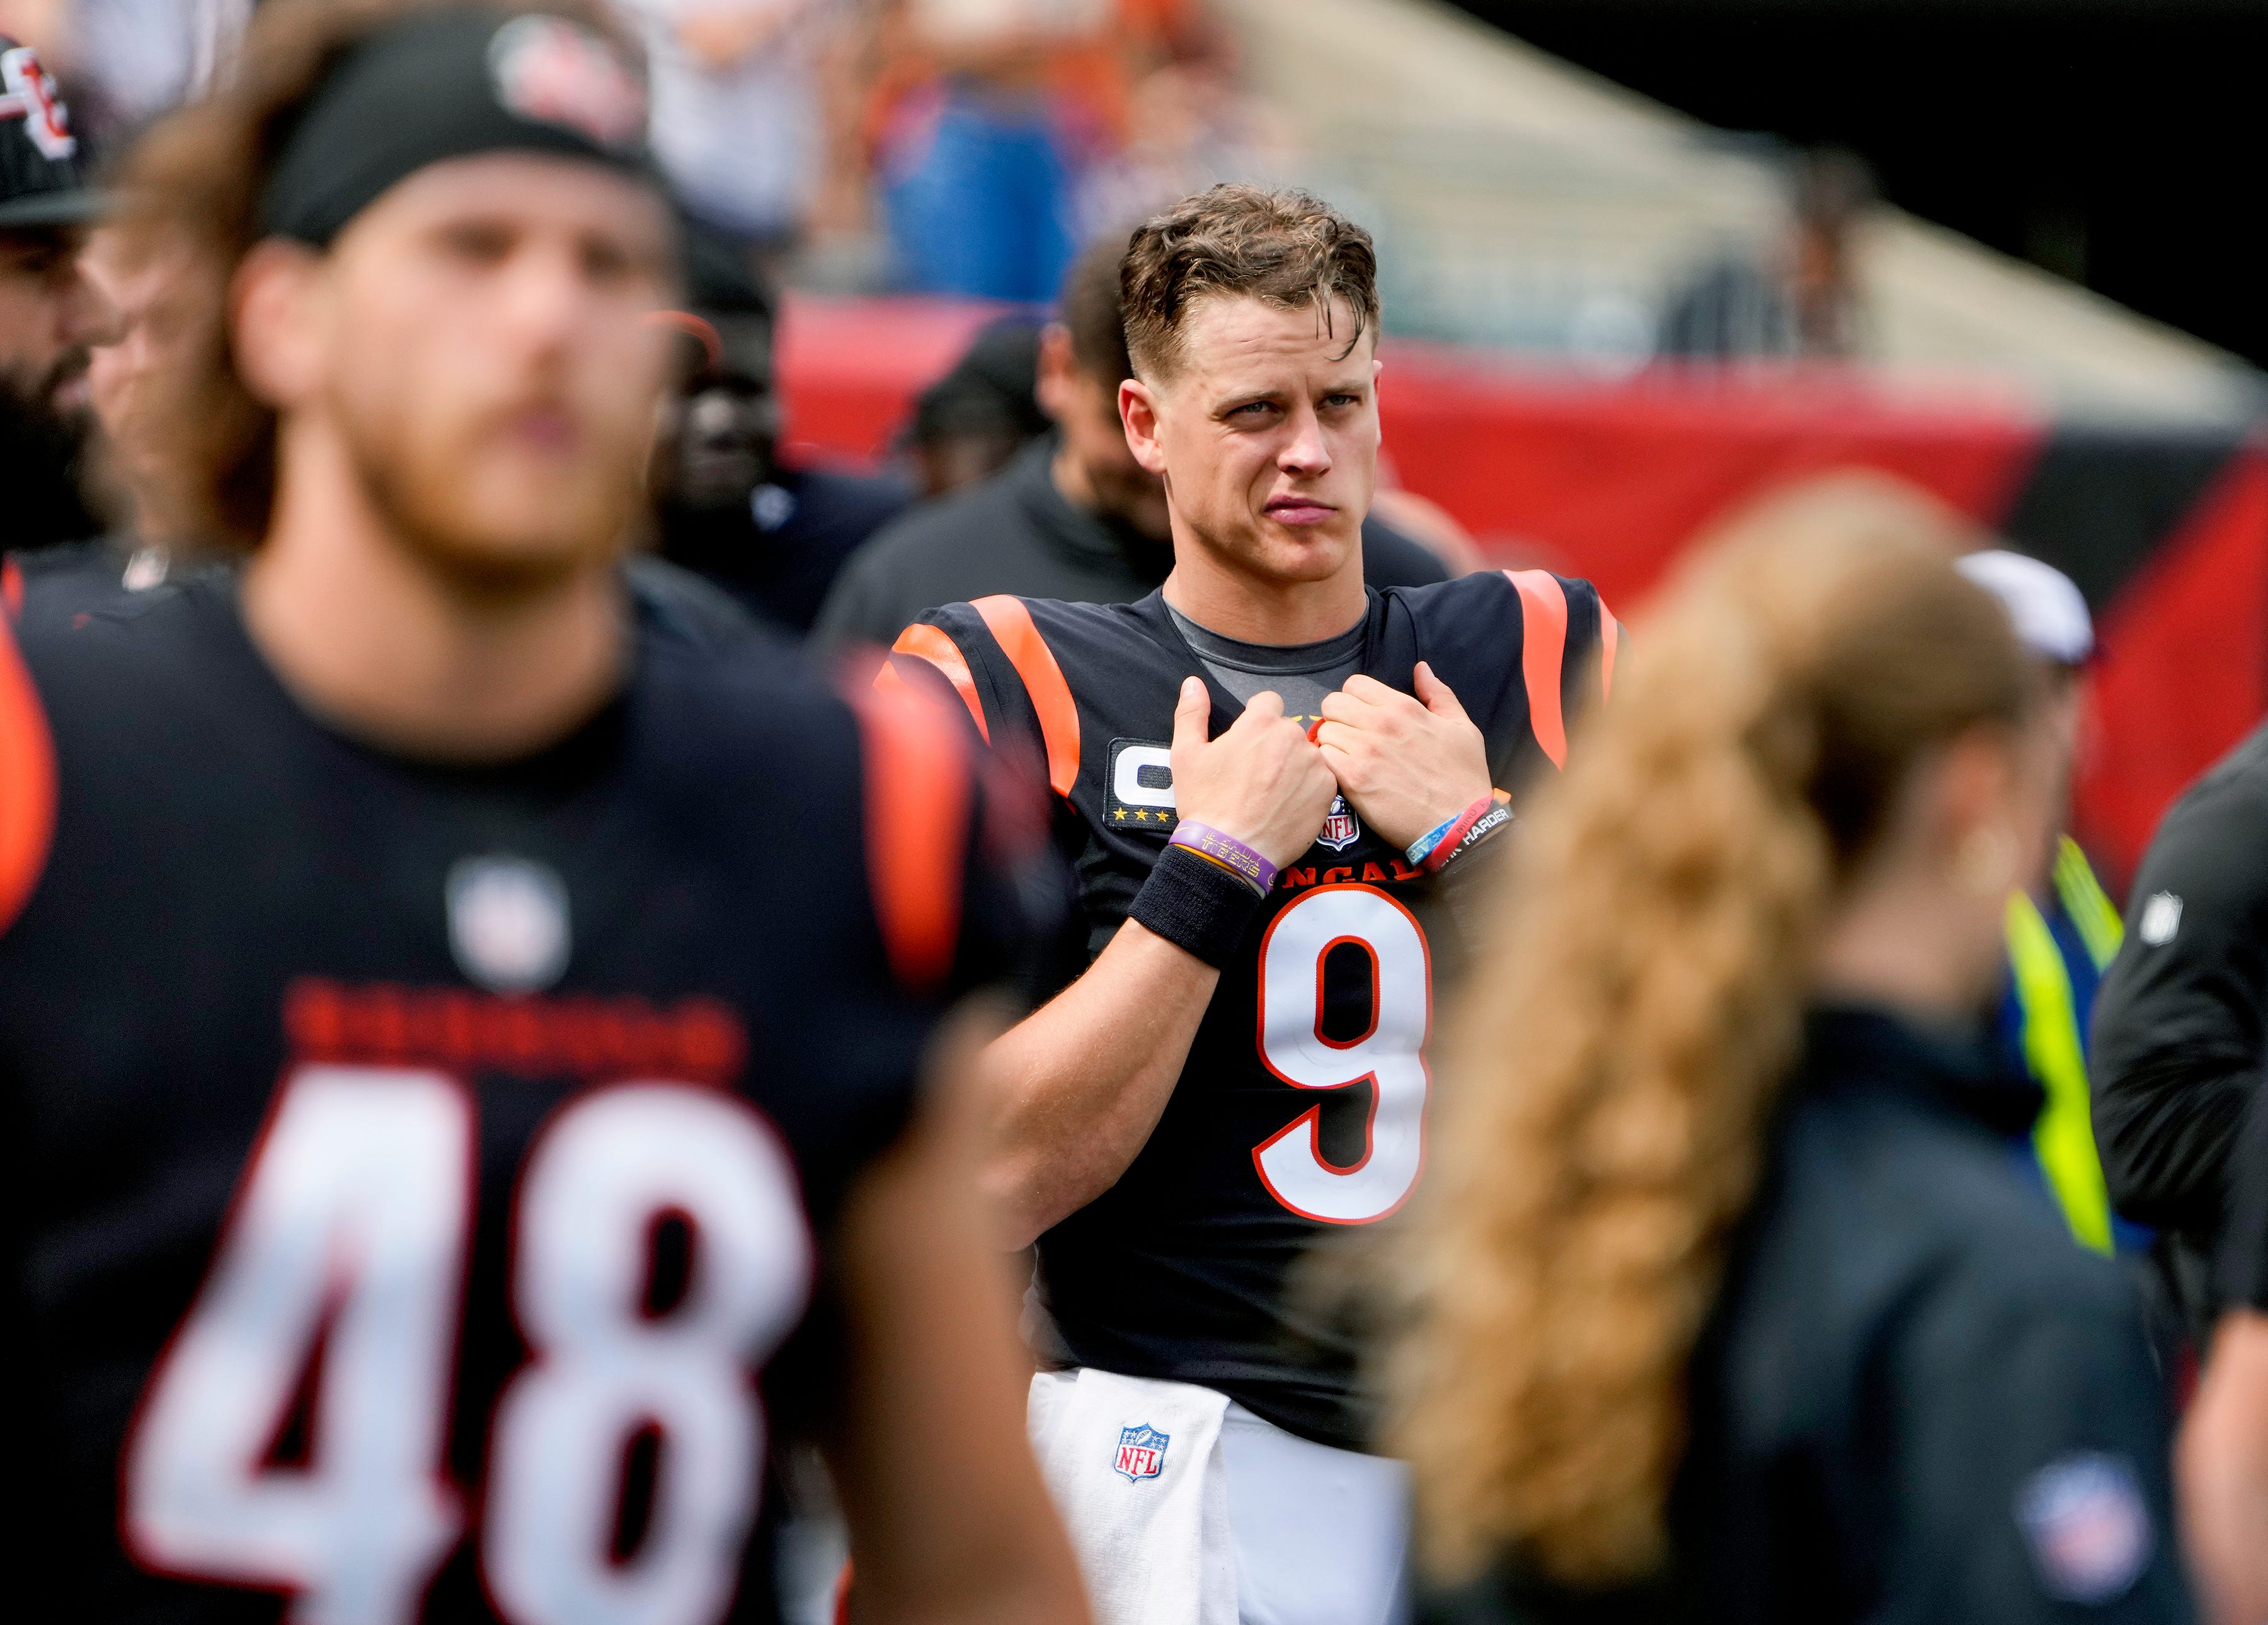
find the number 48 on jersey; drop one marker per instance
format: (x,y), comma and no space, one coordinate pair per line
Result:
(350,1233)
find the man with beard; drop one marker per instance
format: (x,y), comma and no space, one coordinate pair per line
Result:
(49,313)
(1073,517)
(463,1053)
(771,535)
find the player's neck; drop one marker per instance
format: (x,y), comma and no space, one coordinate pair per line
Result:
(1256,609)
(375,639)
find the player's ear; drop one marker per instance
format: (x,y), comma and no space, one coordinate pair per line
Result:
(1137,409)
(277,327)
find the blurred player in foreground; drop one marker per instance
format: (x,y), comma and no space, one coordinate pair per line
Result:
(461,1056)
(50,313)
(1277,783)
(1729,1300)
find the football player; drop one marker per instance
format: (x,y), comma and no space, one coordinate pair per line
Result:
(459,1052)
(1276,783)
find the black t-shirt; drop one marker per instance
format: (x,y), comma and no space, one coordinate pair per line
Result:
(1298,674)
(1300,1109)
(779,552)
(1015,533)
(420,1181)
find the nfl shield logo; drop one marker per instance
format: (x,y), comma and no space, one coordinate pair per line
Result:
(1341,829)
(1141,1453)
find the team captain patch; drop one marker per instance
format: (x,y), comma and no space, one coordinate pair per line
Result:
(1141,785)
(1141,1452)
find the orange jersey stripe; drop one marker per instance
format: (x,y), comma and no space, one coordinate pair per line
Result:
(936,647)
(916,809)
(1543,641)
(11,587)
(27,783)
(1043,679)
(1610,633)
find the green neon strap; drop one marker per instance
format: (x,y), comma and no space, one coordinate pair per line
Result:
(2063,1137)
(2090,908)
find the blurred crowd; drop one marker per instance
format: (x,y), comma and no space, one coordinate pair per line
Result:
(832,139)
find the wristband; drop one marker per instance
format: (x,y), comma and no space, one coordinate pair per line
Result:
(1438,845)
(1448,832)
(1196,904)
(1227,850)
(1486,825)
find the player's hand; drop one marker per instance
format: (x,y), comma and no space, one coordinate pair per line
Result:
(1261,783)
(1405,764)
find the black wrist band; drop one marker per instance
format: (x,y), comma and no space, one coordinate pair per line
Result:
(1196,905)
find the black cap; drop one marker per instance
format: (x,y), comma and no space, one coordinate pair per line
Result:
(40,184)
(993,389)
(449,81)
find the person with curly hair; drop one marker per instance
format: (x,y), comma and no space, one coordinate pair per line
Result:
(1726,1298)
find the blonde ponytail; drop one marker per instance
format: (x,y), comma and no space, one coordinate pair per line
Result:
(1609,1075)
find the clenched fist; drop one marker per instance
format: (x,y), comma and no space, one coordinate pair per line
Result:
(1261,783)
(1405,764)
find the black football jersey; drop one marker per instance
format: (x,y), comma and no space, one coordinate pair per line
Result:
(419,1179)
(1302,1109)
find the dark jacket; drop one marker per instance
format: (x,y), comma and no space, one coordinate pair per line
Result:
(1014,532)
(2180,1020)
(780,551)
(1917,1400)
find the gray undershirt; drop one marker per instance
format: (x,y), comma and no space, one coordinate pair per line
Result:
(1300,673)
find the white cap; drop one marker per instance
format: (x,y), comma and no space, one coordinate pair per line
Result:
(2049,614)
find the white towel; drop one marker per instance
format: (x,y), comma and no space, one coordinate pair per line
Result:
(1136,1469)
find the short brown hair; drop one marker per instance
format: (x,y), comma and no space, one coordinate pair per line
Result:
(1286,248)
(195,180)
(1089,311)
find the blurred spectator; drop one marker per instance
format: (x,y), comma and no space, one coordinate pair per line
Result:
(1729,1303)
(151,287)
(50,313)
(1428,523)
(131,60)
(1804,301)
(771,535)
(991,117)
(1189,125)
(737,122)
(2062,929)
(1073,517)
(981,413)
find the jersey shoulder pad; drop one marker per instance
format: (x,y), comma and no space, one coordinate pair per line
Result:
(1003,665)
(917,810)
(1555,622)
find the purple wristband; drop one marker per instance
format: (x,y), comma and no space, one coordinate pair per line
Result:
(1227,850)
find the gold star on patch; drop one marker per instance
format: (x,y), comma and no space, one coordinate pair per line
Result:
(1119,814)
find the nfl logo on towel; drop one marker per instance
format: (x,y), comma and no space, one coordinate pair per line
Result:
(1141,1453)
(1341,829)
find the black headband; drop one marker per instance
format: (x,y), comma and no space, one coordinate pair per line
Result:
(448,84)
